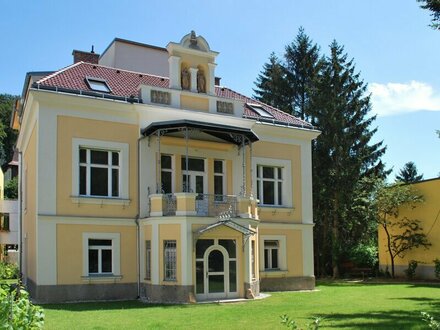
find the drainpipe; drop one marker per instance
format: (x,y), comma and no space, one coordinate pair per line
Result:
(20,216)
(136,220)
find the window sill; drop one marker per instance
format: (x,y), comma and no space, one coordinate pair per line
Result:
(99,200)
(273,273)
(102,278)
(276,208)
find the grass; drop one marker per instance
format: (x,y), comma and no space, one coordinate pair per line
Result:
(341,305)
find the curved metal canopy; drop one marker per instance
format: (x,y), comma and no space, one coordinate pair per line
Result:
(224,132)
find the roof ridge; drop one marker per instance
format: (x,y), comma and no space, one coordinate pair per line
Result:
(58,72)
(129,71)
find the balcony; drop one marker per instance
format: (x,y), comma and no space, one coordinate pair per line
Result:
(202,205)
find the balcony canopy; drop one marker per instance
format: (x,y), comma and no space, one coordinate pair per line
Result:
(226,133)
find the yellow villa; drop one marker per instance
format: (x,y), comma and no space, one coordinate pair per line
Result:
(143,177)
(428,213)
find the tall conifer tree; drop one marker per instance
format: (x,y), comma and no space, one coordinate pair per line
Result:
(342,154)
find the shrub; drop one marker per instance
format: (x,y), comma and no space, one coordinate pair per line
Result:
(364,255)
(432,323)
(411,270)
(16,311)
(437,268)
(8,271)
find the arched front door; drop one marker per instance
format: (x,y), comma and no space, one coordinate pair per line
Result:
(213,274)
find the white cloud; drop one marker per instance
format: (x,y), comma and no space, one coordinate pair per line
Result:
(396,98)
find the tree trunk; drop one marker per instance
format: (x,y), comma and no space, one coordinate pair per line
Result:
(384,225)
(335,238)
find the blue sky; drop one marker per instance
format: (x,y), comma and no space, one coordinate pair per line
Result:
(390,41)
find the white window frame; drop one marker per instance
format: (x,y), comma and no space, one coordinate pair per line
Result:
(222,175)
(282,256)
(287,181)
(172,170)
(269,255)
(148,260)
(165,256)
(109,167)
(116,253)
(122,148)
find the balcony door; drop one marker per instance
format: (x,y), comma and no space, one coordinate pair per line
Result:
(194,180)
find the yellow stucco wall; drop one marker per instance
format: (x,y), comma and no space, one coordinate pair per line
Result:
(170,232)
(294,249)
(70,251)
(429,215)
(291,153)
(30,203)
(69,128)
(194,103)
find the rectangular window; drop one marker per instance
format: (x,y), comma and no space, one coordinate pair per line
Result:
(4,222)
(148,260)
(166,174)
(271,251)
(219,179)
(99,172)
(269,185)
(100,256)
(253,259)
(170,260)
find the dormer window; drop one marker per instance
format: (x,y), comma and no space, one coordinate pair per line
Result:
(259,110)
(98,85)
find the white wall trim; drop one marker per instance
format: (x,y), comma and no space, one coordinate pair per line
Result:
(116,251)
(123,148)
(287,187)
(282,261)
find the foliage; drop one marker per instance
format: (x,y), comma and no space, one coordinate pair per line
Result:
(291,324)
(16,310)
(411,270)
(8,136)
(11,189)
(408,174)
(8,271)
(365,255)
(327,92)
(432,323)
(437,267)
(434,7)
(402,234)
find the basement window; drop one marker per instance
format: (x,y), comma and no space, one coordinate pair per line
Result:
(99,85)
(259,110)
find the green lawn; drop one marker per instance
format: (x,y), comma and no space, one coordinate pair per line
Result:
(342,305)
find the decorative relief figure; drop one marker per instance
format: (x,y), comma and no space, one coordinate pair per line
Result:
(201,82)
(193,40)
(186,79)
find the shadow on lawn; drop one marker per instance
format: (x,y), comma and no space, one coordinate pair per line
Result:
(394,319)
(108,305)
(430,303)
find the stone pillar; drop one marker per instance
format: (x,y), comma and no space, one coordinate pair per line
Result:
(210,88)
(174,68)
(193,72)
(156,205)
(186,203)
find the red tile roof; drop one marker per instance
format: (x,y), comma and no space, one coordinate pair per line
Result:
(125,83)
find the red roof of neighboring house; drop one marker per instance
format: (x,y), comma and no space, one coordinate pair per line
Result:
(125,83)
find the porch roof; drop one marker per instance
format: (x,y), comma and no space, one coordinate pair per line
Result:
(228,223)
(225,132)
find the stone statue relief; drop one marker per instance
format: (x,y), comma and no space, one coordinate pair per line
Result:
(201,82)
(185,79)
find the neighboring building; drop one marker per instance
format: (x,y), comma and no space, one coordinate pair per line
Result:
(8,225)
(140,177)
(428,213)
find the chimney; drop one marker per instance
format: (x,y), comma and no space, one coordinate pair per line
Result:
(217,81)
(89,57)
